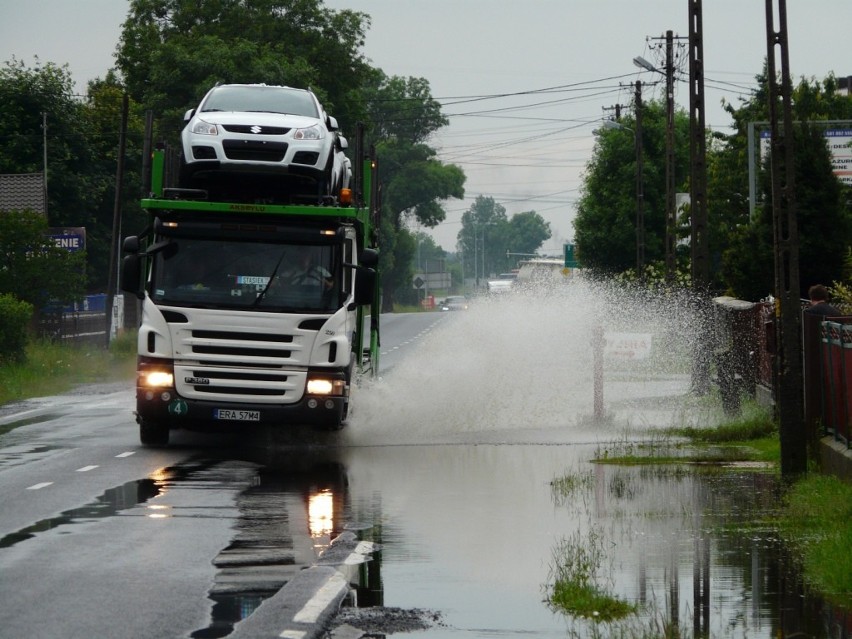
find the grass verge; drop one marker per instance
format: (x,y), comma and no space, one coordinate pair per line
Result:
(816,522)
(51,368)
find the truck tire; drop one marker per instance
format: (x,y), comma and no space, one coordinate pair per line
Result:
(153,434)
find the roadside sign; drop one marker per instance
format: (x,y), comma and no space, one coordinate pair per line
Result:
(570,256)
(628,346)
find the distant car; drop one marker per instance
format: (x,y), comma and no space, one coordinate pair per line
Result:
(455,303)
(502,283)
(260,130)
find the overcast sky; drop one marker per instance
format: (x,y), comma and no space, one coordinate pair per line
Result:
(490,63)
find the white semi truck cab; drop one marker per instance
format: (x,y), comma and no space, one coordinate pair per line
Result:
(251,314)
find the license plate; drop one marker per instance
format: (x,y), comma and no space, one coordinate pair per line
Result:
(237,415)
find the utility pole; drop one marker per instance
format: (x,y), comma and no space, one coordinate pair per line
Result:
(670,210)
(44,160)
(697,151)
(698,200)
(640,187)
(788,355)
(671,213)
(112,286)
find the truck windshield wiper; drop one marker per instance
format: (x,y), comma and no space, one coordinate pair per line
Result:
(262,294)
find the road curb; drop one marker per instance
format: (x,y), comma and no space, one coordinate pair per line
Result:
(300,610)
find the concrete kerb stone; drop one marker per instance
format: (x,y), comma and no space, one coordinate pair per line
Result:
(300,610)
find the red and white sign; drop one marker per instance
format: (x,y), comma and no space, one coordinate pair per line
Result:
(627,345)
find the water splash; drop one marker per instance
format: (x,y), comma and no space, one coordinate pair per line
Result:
(522,363)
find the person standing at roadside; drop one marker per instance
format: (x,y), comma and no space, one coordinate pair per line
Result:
(818,295)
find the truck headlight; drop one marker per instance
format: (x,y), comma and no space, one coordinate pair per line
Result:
(325,386)
(158,379)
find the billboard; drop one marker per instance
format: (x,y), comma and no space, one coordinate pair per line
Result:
(839,143)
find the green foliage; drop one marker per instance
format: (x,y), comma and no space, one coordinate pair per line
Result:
(171,52)
(32,267)
(15,315)
(574,575)
(50,368)
(488,234)
(605,224)
(81,144)
(742,247)
(817,522)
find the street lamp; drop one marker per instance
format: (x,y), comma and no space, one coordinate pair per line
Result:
(640,187)
(642,63)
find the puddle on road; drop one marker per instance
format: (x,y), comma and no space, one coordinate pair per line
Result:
(459,446)
(110,503)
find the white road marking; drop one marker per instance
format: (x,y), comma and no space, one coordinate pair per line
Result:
(127,454)
(292,634)
(356,557)
(43,484)
(311,611)
(86,469)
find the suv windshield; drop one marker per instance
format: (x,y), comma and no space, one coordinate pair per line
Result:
(248,276)
(261,99)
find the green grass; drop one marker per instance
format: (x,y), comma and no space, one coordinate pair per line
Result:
(816,522)
(51,368)
(574,589)
(752,437)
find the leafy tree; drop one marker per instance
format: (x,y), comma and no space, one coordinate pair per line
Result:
(824,218)
(172,52)
(488,237)
(414,181)
(81,148)
(32,267)
(605,224)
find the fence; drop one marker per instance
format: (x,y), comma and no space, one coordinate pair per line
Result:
(744,355)
(84,327)
(828,387)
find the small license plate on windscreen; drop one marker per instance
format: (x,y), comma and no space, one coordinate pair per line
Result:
(229,414)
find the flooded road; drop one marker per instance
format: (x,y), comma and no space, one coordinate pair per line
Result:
(457,458)
(463,482)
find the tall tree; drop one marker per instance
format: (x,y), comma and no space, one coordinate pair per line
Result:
(490,242)
(171,52)
(80,144)
(414,181)
(824,214)
(605,224)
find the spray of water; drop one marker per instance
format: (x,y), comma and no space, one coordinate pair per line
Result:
(522,363)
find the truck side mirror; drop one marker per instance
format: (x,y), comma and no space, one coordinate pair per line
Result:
(131,244)
(365,286)
(369,258)
(131,274)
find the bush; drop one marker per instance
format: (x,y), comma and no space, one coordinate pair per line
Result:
(14,317)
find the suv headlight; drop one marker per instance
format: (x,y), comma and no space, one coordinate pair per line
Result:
(314,132)
(204,128)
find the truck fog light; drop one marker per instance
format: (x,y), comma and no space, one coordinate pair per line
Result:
(166,396)
(149,395)
(329,404)
(312,403)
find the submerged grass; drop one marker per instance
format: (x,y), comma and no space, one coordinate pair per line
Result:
(574,588)
(51,368)
(751,437)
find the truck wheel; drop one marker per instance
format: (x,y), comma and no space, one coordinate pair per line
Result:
(153,434)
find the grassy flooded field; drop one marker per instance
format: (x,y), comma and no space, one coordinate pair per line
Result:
(731,488)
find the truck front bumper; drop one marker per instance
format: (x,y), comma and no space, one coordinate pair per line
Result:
(166,407)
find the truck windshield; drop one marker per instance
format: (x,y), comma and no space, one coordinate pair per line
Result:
(248,275)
